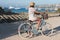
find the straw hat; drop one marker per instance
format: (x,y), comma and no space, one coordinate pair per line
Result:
(32,3)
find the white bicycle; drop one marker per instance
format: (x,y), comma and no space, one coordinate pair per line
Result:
(45,28)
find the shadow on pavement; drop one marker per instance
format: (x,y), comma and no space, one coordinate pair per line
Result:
(56,31)
(9,29)
(48,32)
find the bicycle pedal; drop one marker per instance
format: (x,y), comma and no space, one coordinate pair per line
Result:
(39,30)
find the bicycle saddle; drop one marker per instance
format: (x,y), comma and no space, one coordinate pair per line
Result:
(32,21)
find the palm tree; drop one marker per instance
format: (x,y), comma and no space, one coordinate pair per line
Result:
(58,10)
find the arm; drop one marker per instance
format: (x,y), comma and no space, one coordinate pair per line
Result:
(39,13)
(36,12)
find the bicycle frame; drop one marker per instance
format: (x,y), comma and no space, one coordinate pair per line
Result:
(34,30)
(34,22)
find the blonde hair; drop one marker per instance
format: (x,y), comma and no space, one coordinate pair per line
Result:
(32,4)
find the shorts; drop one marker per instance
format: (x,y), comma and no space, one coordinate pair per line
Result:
(33,18)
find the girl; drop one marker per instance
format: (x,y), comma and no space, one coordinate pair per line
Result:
(31,12)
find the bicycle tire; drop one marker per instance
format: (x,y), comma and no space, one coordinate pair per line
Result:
(19,30)
(47,28)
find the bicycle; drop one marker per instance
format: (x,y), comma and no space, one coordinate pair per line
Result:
(24,27)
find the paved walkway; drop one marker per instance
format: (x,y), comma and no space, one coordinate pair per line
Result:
(55,21)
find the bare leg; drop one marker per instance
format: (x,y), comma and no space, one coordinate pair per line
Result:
(29,32)
(38,23)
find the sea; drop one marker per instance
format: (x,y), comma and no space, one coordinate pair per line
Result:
(19,10)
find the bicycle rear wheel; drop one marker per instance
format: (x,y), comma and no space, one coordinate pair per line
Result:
(23,30)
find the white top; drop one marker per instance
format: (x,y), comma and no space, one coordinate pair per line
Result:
(31,14)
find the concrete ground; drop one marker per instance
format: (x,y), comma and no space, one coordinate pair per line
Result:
(8,31)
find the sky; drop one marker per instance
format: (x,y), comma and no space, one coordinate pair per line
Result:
(20,3)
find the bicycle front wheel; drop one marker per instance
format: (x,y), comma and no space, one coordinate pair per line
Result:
(47,28)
